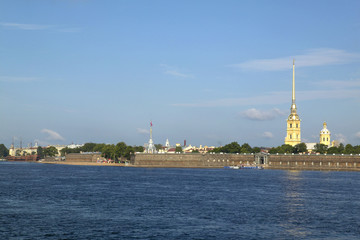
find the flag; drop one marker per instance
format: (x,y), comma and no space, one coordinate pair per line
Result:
(150,123)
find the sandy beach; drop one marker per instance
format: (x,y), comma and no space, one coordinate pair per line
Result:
(88,164)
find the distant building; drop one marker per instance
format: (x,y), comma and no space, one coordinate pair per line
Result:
(324,139)
(13,151)
(310,146)
(335,143)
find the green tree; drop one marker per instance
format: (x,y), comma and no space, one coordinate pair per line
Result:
(233,147)
(129,151)
(300,148)
(274,150)
(195,151)
(50,151)
(88,147)
(40,152)
(320,148)
(216,150)
(341,148)
(120,149)
(286,148)
(18,152)
(245,148)
(178,149)
(158,146)
(139,149)
(256,150)
(4,152)
(63,151)
(99,147)
(348,149)
(108,151)
(357,149)
(333,150)
(67,150)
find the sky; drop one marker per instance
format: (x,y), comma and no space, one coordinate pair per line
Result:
(208,72)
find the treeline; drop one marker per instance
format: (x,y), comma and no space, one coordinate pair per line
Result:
(111,151)
(319,148)
(235,147)
(4,152)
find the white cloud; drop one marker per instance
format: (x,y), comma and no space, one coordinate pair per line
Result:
(268,135)
(142,131)
(52,135)
(313,57)
(177,74)
(170,70)
(258,115)
(340,137)
(357,134)
(24,26)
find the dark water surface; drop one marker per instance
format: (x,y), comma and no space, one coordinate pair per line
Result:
(41,201)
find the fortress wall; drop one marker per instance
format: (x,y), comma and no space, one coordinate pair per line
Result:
(191,160)
(308,162)
(330,162)
(78,157)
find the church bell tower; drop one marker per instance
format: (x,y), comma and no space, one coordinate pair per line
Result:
(293,133)
(325,135)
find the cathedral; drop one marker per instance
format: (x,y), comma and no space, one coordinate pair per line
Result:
(293,130)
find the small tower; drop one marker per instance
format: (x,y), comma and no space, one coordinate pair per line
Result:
(12,148)
(167,143)
(293,133)
(325,135)
(151,147)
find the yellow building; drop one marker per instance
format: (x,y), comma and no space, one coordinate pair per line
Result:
(22,151)
(325,135)
(293,133)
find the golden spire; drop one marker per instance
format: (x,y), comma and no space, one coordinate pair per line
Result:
(293,105)
(293,130)
(293,83)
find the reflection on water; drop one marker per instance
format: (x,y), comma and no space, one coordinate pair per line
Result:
(295,204)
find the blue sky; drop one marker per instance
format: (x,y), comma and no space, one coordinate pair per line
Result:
(210,72)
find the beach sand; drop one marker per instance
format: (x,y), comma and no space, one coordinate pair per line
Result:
(88,164)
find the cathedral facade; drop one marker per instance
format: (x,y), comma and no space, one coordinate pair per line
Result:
(293,128)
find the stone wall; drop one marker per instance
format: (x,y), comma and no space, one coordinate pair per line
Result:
(305,162)
(78,157)
(192,160)
(315,162)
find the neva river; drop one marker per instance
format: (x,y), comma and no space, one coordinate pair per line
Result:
(41,201)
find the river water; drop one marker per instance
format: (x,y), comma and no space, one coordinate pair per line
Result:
(46,201)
